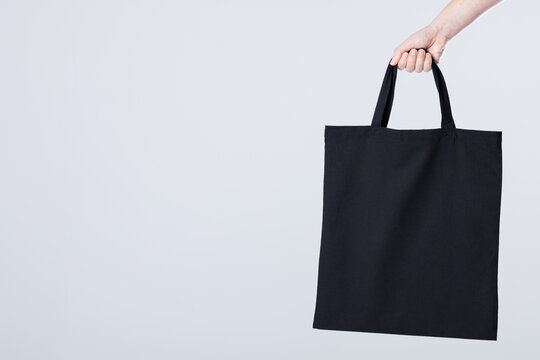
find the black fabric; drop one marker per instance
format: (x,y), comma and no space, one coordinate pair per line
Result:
(410,231)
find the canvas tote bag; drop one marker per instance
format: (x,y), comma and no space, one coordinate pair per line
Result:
(410,226)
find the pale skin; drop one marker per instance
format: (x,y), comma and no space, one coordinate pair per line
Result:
(411,54)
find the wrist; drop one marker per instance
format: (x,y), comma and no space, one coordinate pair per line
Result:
(442,30)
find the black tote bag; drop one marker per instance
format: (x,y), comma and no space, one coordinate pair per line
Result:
(410,231)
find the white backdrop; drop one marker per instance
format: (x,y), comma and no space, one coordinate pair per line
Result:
(162,165)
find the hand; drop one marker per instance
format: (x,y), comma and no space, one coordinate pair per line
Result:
(406,55)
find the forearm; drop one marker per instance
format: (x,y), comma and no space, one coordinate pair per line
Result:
(418,50)
(458,14)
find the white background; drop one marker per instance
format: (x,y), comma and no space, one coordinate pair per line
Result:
(161,167)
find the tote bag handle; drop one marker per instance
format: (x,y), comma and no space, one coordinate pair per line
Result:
(386,98)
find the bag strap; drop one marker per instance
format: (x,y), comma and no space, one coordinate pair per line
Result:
(386,98)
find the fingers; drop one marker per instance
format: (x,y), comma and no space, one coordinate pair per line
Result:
(400,50)
(396,57)
(427,63)
(411,60)
(420,59)
(428,38)
(402,61)
(415,60)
